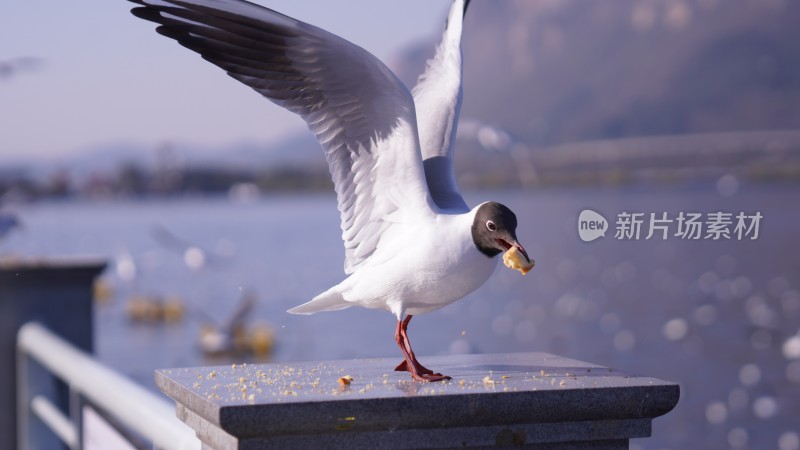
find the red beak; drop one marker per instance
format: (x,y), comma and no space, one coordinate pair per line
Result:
(507,245)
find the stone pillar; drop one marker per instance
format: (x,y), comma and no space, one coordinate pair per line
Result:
(57,294)
(528,400)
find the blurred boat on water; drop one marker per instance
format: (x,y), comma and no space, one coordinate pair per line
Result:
(155,309)
(103,292)
(235,336)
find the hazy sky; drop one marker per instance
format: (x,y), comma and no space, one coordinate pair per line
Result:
(109,77)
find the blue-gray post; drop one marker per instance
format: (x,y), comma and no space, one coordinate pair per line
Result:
(524,400)
(57,294)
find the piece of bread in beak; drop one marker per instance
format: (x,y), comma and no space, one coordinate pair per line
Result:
(514,259)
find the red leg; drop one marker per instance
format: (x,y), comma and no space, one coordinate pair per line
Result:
(402,336)
(410,363)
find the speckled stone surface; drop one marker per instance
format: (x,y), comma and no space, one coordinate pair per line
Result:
(536,400)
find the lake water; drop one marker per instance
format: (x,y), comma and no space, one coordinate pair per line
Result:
(720,317)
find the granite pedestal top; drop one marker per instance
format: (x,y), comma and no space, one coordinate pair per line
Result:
(528,399)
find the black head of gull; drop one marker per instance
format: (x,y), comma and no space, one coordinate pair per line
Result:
(412,245)
(494,230)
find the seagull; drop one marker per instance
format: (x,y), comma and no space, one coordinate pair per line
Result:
(13,67)
(412,245)
(219,338)
(194,257)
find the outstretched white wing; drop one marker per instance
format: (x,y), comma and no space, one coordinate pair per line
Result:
(361,113)
(438,96)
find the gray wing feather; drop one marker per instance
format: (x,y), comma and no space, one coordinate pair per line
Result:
(363,116)
(438,96)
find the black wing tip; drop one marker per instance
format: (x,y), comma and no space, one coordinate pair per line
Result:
(172,33)
(146,13)
(140,2)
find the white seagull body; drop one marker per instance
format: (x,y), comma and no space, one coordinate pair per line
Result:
(411,243)
(425,265)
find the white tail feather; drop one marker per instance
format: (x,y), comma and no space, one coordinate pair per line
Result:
(330,300)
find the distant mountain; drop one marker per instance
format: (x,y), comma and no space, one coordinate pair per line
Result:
(552,73)
(557,71)
(299,151)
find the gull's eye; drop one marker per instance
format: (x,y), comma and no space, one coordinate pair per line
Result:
(491,226)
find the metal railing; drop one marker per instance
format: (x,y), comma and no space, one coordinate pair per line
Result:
(43,356)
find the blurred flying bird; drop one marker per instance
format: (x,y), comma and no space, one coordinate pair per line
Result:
(493,138)
(8,222)
(412,245)
(194,256)
(12,67)
(125,266)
